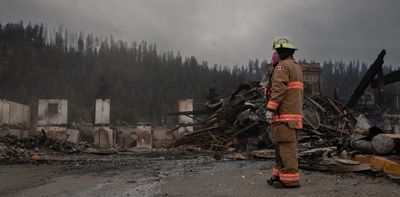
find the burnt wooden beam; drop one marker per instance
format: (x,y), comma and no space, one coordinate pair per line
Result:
(366,80)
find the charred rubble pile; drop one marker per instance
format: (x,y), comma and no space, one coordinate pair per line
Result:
(327,123)
(22,150)
(233,123)
(237,129)
(238,123)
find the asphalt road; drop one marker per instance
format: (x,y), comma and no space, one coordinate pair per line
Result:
(177,176)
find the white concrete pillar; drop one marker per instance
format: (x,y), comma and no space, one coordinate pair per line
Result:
(185,105)
(102,114)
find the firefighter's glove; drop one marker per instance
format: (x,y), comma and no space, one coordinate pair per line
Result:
(268,115)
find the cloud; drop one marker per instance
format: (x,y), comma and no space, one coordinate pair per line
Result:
(229,32)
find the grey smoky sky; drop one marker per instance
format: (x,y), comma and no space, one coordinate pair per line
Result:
(230,32)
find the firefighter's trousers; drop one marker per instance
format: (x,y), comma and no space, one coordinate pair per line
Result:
(286,153)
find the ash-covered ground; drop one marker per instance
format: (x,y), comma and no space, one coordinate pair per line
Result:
(173,174)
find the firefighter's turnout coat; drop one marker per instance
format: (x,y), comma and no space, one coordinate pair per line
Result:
(286,94)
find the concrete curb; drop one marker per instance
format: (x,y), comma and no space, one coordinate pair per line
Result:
(386,164)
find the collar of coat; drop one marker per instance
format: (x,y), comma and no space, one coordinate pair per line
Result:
(287,59)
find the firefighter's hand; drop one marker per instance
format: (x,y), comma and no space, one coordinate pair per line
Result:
(268,115)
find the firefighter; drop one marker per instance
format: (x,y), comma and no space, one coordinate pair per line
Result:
(284,113)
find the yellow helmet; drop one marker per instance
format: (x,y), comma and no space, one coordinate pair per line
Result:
(283,42)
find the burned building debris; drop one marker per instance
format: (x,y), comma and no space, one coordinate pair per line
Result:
(24,150)
(240,122)
(238,130)
(232,117)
